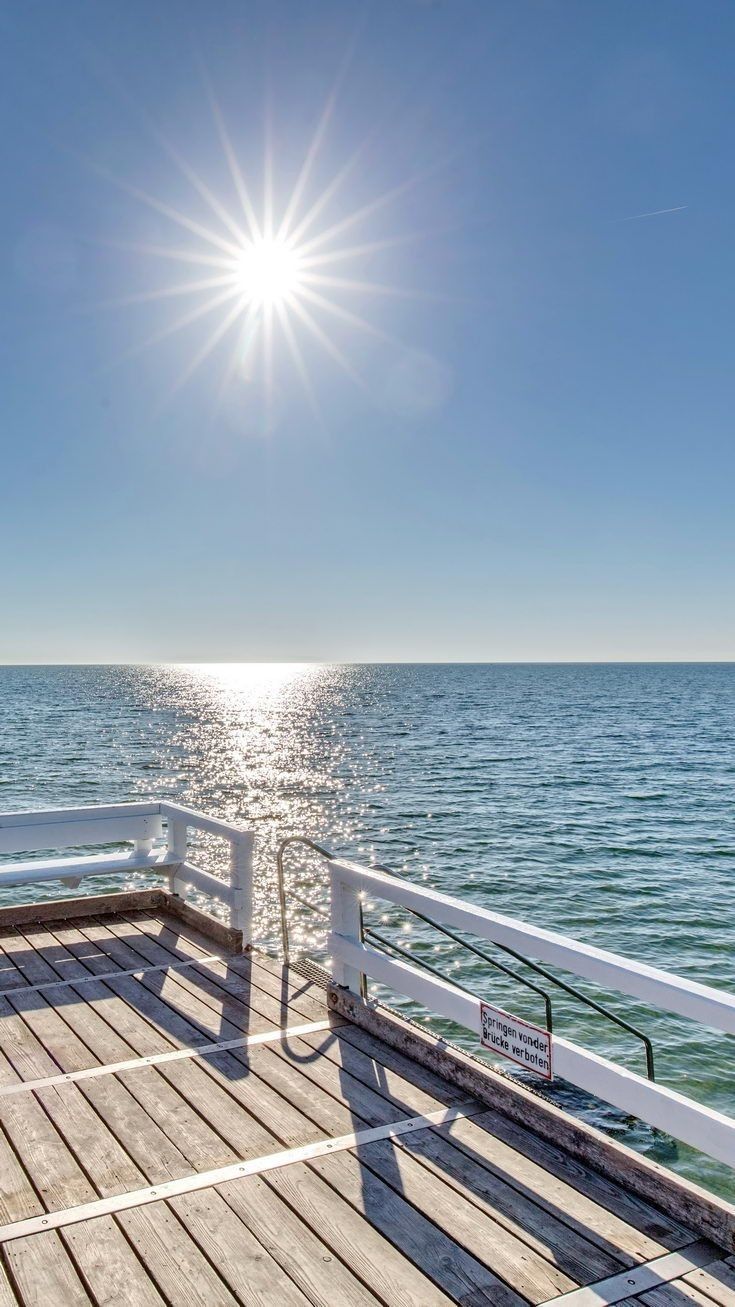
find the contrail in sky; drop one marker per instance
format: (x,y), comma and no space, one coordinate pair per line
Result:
(654,213)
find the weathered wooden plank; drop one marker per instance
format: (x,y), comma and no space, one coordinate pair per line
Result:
(7,1296)
(517,1258)
(193,927)
(553,1239)
(239,1131)
(289,986)
(357,1059)
(204,1011)
(678,1294)
(628,1242)
(513,1261)
(348,1058)
(324,1278)
(642,1233)
(229,938)
(644,1221)
(239,1258)
(427,1242)
(162,1242)
(158,1157)
(159,984)
(344,1074)
(102,1254)
(259,988)
(48,910)
(237,977)
(678,1197)
(518,1215)
(378,1261)
(50,1140)
(637,1280)
(617,1237)
(419,1101)
(716,1281)
(353,1236)
(204,1148)
(43,1273)
(610,1197)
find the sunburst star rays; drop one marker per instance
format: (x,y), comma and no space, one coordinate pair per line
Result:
(266,268)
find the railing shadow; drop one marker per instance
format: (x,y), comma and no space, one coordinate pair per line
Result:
(342,1080)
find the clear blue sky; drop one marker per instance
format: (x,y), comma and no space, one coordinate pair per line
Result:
(534,458)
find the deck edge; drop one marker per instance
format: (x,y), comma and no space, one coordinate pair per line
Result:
(147,900)
(678,1197)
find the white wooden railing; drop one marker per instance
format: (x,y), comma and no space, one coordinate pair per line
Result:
(693,1123)
(158,833)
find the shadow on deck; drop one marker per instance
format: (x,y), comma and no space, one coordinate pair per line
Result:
(183,1124)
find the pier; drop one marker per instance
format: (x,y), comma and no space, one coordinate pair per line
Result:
(189,1120)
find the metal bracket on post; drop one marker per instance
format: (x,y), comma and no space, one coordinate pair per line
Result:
(241,883)
(346,918)
(176,840)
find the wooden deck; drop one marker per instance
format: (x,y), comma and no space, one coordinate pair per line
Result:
(117,1123)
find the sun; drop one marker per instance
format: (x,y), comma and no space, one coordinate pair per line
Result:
(264,278)
(268,272)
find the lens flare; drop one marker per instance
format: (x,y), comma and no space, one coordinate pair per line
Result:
(264,275)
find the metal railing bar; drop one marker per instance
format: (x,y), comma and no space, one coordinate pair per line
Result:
(284,844)
(306,904)
(472,948)
(592,1003)
(323,853)
(410,957)
(493,962)
(555,980)
(457,984)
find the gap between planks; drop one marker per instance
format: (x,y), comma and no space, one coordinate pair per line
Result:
(175,1055)
(219,981)
(258,964)
(234,1171)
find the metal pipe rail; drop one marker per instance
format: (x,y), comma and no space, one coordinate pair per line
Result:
(280,873)
(702,1127)
(555,980)
(369,932)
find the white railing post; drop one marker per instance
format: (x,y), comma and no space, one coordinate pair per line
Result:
(176,841)
(241,883)
(345,919)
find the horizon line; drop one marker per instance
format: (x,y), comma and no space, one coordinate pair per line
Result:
(393,662)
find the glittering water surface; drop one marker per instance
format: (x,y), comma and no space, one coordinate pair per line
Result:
(594,799)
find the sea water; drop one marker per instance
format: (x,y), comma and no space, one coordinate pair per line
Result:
(592,799)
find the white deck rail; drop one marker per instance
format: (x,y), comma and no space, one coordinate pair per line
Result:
(693,1123)
(158,833)
(154,849)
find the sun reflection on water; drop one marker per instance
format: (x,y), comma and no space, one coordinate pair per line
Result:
(258,747)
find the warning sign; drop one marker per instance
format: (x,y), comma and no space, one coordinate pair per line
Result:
(528,1045)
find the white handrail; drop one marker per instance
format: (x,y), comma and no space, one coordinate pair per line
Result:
(142,825)
(688,998)
(710,1131)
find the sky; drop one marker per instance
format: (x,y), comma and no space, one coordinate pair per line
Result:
(498,423)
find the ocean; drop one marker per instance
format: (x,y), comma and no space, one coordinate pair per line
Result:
(592,798)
